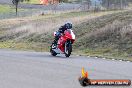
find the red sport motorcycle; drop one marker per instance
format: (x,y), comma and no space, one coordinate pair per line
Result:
(64,45)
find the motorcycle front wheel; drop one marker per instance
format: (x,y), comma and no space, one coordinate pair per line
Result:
(68,49)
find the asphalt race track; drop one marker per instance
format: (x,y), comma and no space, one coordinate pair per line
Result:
(22,69)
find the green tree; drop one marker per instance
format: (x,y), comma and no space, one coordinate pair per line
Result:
(119,4)
(15,2)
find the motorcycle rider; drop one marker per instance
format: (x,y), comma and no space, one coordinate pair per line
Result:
(67,25)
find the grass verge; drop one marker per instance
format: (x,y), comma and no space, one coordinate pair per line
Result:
(107,36)
(8,9)
(103,34)
(32,2)
(39,47)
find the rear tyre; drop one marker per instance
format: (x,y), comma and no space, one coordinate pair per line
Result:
(53,53)
(68,49)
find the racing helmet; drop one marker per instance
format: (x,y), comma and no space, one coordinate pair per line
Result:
(68,25)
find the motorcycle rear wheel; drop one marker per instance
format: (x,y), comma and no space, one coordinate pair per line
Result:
(53,53)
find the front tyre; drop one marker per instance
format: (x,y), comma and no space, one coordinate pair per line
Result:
(68,49)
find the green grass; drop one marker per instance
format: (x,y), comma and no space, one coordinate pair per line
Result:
(91,38)
(5,8)
(35,46)
(8,8)
(32,2)
(108,36)
(106,53)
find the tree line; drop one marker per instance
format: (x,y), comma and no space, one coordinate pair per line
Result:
(115,4)
(107,4)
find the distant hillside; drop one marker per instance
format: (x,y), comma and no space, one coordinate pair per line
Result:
(106,36)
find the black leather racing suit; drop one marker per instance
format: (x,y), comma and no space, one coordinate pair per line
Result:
(58,34)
